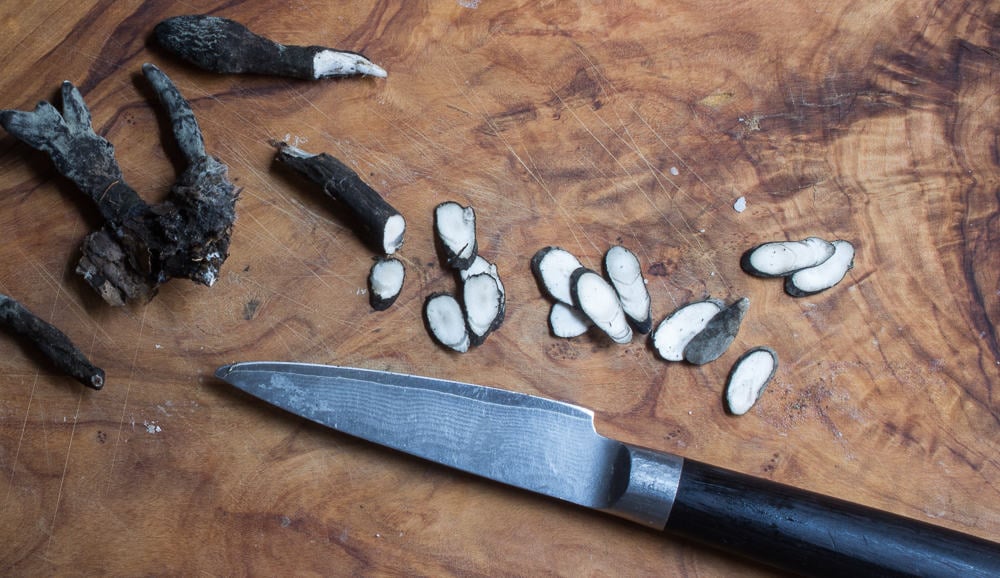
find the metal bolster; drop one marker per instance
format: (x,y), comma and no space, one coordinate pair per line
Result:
(652,486)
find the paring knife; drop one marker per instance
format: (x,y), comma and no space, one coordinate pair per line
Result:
(552,448)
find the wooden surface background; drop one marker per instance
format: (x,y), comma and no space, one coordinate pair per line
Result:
(578,124)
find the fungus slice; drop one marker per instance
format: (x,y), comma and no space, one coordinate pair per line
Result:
(597,299)
(823,276)
(674,333)
(456,229)
(780,258)
(553,267)
(446,321)
(484,306)
(568,322)
(481,265)
(750,375)
(719,333)
(623,270)
(385,281)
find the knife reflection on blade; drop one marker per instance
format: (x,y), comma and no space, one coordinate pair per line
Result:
(552,448)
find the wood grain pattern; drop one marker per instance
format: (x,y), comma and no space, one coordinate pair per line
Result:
(579,124)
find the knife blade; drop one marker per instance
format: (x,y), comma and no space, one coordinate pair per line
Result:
(552,448)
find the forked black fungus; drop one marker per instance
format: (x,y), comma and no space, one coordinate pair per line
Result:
(50,341)
(140,246)
(385,281)
(228,47)
(376,221)
(720,332)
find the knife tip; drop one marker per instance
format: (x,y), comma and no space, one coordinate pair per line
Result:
(223,371)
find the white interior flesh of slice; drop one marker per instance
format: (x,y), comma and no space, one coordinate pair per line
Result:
(392,235)
(481,265)
(447,322)
(483,302)
(335,63)
(626,276)
(674,333)
(781,258)
(387,278)
(599,301)
(555,268)
(456,226)
(827,274)
(567,321)
(749,377)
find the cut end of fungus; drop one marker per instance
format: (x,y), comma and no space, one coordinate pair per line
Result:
(830,272)
(446,321)
(392,236)
(750,375)
(674,333)
(781,258)
(456,230)
(385,281)
(484,304)
(597,299)
(623,270)
(330,63)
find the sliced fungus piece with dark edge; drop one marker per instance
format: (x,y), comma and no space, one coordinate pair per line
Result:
(597,299)
(824,276)
(484,306)
(456,230)
(677,330)
(568,322)
(709,344)
(623,270)
(481,265)
(378,224)
(552,267)
(385,281)
(225,46)
(446,321)
(781,258)
(750,375)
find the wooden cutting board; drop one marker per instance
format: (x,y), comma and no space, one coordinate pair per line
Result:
(574,124)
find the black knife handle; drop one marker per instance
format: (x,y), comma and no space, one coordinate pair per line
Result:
(816,535)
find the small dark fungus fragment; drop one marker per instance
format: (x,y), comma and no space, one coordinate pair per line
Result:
(140,246)
(749,376)
(228,47)
(720,332)
(377,223)
(823,276)
(51,342)
(622,268)
(781,258)
(385,281)
(597,299)
(455,226)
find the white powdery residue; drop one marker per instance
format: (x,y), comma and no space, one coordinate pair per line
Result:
(469,3)
(151,427)
(674,171)
(740,205)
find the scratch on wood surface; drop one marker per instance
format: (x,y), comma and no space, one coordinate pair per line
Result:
(62,478)
(128,389)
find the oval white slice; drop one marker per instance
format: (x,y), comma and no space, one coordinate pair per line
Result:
(750,375)
(781,258)
(599,301)
(484,307)
(385,281)
(625,273)
(553,267)
(829,273)
(446,321)
(456,228)
(565,321)
(481,265)
(678,329)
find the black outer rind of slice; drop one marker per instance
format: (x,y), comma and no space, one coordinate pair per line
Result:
(227,47)
(377,301)
(718,335)
(369,210)
(450,258)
